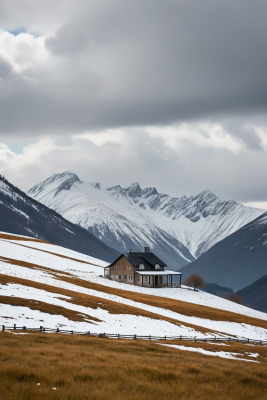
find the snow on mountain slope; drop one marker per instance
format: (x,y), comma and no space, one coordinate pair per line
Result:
(110,215)
(67,289)
(20,214)
(177,229)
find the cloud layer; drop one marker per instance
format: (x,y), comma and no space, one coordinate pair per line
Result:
(178,160)
(127,63)
(171,94)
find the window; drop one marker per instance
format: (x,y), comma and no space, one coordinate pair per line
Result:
(139,278)
(146,278)
(130,277)
(157,266)
(125,277)
(119,276)
(141,266)
(129,267)
(118,267)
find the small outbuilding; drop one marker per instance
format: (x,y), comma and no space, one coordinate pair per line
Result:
(141,269)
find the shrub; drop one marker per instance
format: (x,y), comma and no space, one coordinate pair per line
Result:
(194,281)
(235,298)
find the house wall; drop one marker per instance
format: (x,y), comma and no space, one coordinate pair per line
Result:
(123,274)
(123,263)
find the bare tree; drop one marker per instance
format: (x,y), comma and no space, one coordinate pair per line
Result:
(235,298)
(194,281)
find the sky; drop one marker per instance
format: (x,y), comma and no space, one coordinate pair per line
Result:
(170,94)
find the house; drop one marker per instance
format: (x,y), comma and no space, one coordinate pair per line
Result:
(141,269)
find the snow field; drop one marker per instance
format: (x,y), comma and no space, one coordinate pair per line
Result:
(11,249)
(222,354)
(110,323)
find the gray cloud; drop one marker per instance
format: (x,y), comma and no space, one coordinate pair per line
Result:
(144,63)
(133,64)
(184,169)
(5,69)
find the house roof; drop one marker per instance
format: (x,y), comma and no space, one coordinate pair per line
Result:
(137,258)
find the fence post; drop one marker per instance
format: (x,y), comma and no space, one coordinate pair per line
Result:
(215,338)
(149,337)
(44,330)
(118,335)
(3,328)
(135,336)
(41,328)
(72,332)
(195,339)
(14,327)
(248,339)
(58,330)
(24,328)
(229,339)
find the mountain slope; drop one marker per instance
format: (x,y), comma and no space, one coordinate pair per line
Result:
(256,294)
(20,214)
(236,261)
(43,284)
(177,229)
(110,215)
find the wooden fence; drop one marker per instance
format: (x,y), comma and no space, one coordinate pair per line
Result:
(142,337)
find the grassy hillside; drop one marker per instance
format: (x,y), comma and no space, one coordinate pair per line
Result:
(47,285)
(55,366)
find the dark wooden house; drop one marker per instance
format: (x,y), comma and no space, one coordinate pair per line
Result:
(141,269)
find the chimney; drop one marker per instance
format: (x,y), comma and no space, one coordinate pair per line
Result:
(146,249)
(129,250)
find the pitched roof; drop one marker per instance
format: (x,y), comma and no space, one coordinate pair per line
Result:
(148,259)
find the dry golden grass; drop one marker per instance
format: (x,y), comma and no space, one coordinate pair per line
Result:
(241,349)
(94,368)
(45,251)
(85,300)
(14,237)
(46,308)
(178,306)
(181,307)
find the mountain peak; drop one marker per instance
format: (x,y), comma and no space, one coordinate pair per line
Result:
(133,190)
(206,193)
(135,184)
(149,191)
(66,180)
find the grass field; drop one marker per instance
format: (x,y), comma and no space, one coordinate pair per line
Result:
(99,368)
(182,307)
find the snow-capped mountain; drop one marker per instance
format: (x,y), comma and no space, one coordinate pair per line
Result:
(177,229)
(22,215)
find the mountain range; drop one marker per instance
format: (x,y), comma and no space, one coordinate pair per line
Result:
(178,230)
(22,215)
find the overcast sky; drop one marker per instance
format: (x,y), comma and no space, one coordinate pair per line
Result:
(171,94)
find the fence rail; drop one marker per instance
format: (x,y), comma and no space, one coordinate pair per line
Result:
(141,337)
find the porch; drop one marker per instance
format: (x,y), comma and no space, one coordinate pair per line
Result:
(155,282)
